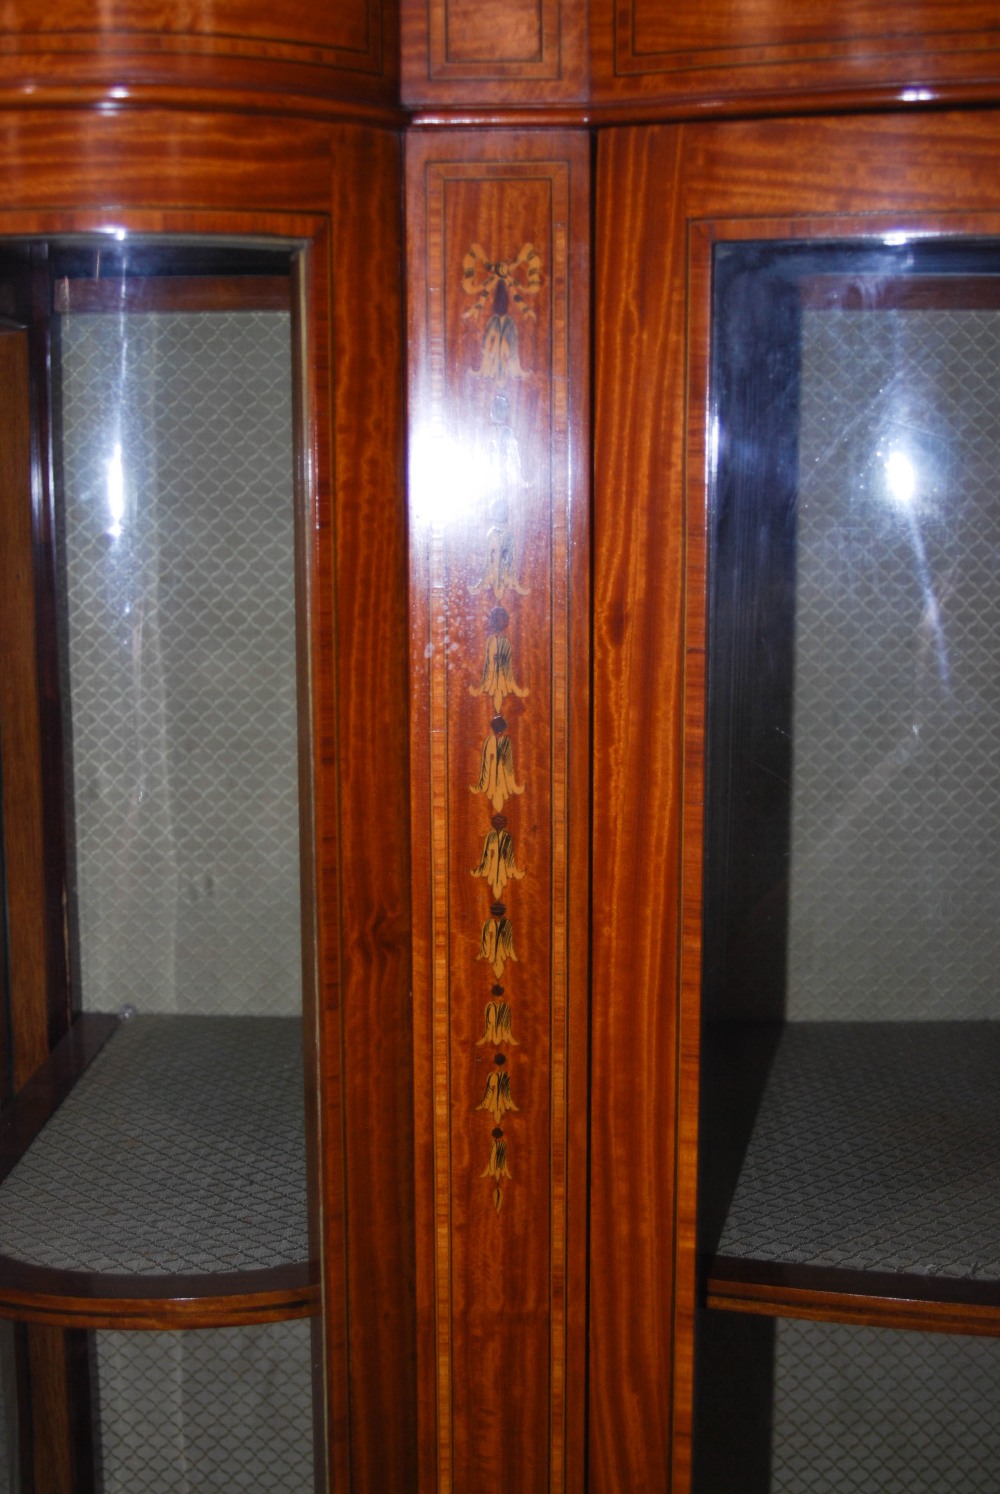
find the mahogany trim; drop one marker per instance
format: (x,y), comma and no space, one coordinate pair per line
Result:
(26,852)
(78,1299)
(924,1303)
(733,1276)
(771,103)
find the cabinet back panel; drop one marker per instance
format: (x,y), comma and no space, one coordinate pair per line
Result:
(181,653)
(895,817)
(227,1409)
(878,1409)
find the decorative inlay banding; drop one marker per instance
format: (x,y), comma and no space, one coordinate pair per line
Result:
(503,288)
(484,457)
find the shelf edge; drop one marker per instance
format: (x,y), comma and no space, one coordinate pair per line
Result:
(892,1300)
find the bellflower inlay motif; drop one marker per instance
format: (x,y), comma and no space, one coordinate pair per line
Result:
(502,291)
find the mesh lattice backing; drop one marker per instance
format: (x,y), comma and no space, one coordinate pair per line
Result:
(896,802)
(878,1411)
(182,1148)
(225,1409)
(182,660)
(876,1147)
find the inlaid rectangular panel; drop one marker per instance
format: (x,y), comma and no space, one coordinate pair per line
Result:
(458,51)
(499,573)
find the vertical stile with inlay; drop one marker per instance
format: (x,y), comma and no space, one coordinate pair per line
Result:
(500,846)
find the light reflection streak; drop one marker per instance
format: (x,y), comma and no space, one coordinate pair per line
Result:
(901,485)
(116,491)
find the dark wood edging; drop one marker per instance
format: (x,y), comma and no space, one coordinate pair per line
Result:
(92,1299)
(791,1289)
(84,1299)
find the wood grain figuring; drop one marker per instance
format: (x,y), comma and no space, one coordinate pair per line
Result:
(738,24)
(521,34)
(348,50)
(694,56)
(372,761)
(460,51)
(346,26)
(666,195)
(498,651)
(638,633)
(54,1461)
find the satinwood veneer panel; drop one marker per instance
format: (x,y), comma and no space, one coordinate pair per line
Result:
(665,195)
(347,50)
(763,53)
(499,750)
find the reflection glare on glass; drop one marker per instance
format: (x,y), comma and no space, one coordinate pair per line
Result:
(901,490)
(901,479)
(116,491)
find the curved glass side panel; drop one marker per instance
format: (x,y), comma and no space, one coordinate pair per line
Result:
(169,1188)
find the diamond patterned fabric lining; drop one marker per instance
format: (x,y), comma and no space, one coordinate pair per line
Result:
(876,1411)
(876,1147)
(181,659)
(896,800)
(181,1149)
(224,1409)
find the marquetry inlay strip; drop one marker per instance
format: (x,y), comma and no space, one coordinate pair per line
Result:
(502,291)
(494,650)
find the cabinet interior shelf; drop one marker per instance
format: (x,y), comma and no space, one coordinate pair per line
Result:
(869,1191)
(154,1176)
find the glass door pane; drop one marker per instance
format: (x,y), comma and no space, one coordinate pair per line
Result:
(171,1182)
(850,1114)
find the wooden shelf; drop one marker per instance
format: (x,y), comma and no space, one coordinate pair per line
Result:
(153,1175)
(870,1187)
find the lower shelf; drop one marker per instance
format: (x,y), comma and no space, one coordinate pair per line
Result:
(870,1187)
(167,1187)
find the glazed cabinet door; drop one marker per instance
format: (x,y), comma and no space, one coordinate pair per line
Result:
(796,656)
(166,1184)
(204,1022)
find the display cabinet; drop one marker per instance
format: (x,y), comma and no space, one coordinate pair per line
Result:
(540,891)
